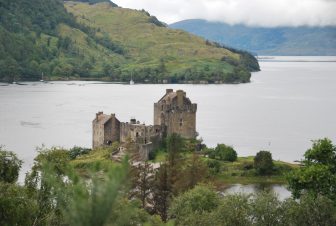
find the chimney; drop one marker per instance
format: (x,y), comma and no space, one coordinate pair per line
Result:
(98,114)
(169,91)
(180,94)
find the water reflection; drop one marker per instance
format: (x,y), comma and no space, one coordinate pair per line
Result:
(280,190)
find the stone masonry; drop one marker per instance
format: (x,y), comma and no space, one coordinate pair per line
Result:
(173,113)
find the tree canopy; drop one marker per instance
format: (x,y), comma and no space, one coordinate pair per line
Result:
(317,176)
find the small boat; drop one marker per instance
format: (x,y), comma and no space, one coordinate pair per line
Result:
(131,82)
(42,78)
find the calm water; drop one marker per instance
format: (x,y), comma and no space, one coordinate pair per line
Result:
(280,190)
(286,105)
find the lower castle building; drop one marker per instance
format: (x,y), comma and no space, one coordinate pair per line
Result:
(173,113)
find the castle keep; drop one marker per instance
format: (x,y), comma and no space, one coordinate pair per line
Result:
(173,113)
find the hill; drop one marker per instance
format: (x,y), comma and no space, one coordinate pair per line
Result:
(266,41)
(95,39)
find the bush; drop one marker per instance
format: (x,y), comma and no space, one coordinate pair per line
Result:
(77,151)
(214,166)
(226,153)
(9,166)
(263,163)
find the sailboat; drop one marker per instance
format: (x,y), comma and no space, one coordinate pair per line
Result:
(42,78)
(131,82)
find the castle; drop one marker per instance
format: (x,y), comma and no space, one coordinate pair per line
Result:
(173,113)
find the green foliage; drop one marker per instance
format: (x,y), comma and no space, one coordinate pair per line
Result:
(142,183)
(225,153)
(194,206)
(214,166)
(309,211)
(263,163)
(9,166)
(154,20)
(267,209)
(58,157)
(162,192)
(78,151)
(41,36)
(193,171)
(203,206)
(16,208)
(234,210)
(96,1)
(318,175)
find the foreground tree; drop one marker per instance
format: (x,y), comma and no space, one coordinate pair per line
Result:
(195,207)
(318,174)
(162,192)
(194,171)
(143,182)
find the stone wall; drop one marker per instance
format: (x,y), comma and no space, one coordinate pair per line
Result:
(176,112)
(182,123)
(97,135)
(112,130)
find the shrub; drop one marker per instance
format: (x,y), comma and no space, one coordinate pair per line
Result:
(226,153)
(77,151)
(9,166)
(263,163)
(214,166)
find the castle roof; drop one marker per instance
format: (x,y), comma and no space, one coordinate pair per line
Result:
(171,95)
(168,96)
(102,118)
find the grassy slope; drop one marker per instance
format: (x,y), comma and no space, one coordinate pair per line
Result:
(146,43)
(234,173)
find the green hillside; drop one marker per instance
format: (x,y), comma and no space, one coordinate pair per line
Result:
(89,40)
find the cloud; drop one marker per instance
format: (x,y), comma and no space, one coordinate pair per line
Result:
(267,13)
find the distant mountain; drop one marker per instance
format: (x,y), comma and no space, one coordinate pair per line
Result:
(96,39)
(266,41)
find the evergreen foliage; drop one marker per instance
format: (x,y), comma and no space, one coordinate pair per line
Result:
(263,163)
(56,193)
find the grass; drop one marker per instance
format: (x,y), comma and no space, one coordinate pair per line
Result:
(236,172)
(241,172)
(96,159)
(145,43)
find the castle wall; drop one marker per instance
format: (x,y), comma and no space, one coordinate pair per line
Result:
(173,113)
(144,150)
(112,130)
(138,133)
(97,135)
(176,112)
(182,123)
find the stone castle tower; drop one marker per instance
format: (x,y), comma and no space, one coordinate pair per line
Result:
(175,113)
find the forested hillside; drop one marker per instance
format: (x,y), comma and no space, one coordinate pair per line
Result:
(295,41)
(95,39)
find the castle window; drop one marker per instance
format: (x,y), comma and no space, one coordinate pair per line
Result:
(181,122)
(137,134)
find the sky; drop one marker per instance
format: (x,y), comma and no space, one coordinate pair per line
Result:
(265,13)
